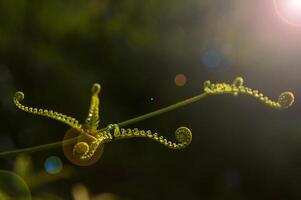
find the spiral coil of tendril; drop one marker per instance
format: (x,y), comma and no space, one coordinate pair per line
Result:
(85,149)
(285,100)
(183,136)
(19,96)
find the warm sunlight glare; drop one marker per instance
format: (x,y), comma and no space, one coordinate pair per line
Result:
(289,11)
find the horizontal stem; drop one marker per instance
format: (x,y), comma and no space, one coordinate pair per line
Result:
(31,149)
(162,110)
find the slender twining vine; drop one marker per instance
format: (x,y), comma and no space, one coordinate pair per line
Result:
(84,142)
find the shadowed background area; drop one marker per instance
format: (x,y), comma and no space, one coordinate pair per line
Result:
(146,55)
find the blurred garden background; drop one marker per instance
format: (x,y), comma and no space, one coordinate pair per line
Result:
(146,55)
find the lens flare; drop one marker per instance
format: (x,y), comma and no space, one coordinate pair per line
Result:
(68,149)
(53,165)
(296,4)
(180,79)
(12,186)
(289,11)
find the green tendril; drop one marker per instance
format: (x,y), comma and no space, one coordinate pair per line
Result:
(183,136)
(90,138)
(19,96)
(92,120)
(285,100)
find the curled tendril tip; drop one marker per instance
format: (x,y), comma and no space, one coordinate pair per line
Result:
(285,100)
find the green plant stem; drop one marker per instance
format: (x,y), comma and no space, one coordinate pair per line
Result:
(121,124)
(162,110)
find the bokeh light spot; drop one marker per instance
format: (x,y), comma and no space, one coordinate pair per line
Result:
(211,58)
(12,186)
(80,192)
(68,146)
(53,165)
(180,79)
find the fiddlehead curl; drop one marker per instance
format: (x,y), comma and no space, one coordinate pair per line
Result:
(19,96)
(84,149)
(285,100)
(183,136)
